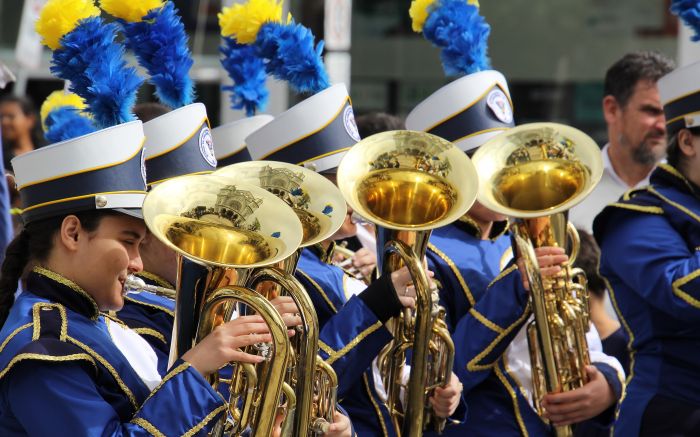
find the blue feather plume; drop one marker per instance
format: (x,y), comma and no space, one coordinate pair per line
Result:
(65,123)
(160,43)
(689,12)
(462,35)
(247,70)
(94,64)
(291,56)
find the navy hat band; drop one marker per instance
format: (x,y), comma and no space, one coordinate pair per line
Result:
(679,108)
(192,156)
(64,194)
(476,118)
(332,138)
(242,155)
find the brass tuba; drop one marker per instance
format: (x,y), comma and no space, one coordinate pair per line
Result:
(409,183)
(533,174)
(320,207)
(221,231)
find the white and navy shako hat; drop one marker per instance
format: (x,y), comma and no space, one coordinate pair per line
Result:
(314,133)
(467,111)
(680,96)
(100,170)
(179,143)
(229,139)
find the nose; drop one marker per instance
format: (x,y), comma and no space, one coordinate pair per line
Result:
(660,123)
(135,263)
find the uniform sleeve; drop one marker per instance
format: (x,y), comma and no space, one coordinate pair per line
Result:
(482,336)
(652,259)
(453,296)
(350,340)
(70,404)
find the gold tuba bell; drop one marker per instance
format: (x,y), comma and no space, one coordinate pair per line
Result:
(534,174)
(409,183)
(221,230)
(321,209)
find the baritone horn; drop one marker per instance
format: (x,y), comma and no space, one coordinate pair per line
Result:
(409,183)
(221,231)
(321,209)
(534,174)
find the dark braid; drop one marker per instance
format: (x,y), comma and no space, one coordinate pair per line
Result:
(34,243)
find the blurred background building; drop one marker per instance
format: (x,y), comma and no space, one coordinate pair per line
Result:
(553,52)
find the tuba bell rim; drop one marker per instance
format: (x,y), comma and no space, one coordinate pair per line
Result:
(171,197)
(491,157)
(322,192)
(356,164)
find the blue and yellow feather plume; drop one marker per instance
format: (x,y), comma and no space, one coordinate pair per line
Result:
(243,64)
(159,41)
(86,54)
(62,117)
(287,47)
(457,29)
(689,12)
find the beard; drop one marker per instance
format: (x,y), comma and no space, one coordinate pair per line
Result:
(647,152)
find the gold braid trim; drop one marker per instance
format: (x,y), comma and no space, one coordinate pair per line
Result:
(150,305)
(148,426)
(503,274)
(320,290)
(630,334)
(455,271)
(194,430)
(473,365)
(678,283)
(42,306)
(70,284)
(12,335)
(361,336)
(155,278)
(109,367)
(675,204)
(514,398)
(179,369)
(380,416)
(327,349)
(39,357)
(484,321)
(151,332)
(639,208)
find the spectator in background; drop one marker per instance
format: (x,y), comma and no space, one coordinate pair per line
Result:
(375,122)
(21,129)
(636,131)
(149,110)
(612,335)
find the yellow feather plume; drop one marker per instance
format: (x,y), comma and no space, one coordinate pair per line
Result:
(243,21)
(57,99)
(130,10)
(419,12)
(59,17)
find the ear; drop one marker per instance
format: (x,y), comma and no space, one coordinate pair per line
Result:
(685,142)
(611,109)
(69,234)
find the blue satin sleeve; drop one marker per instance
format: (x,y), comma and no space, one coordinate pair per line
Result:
(662,270)
(482,336)
(65,401)
(350,340)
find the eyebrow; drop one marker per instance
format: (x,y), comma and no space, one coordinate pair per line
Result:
(133,234)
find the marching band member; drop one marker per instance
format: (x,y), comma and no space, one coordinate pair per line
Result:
(481,288)
(649,242)
(61,355)
(316,133)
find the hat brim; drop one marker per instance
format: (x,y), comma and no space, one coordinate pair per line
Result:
(133,212)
